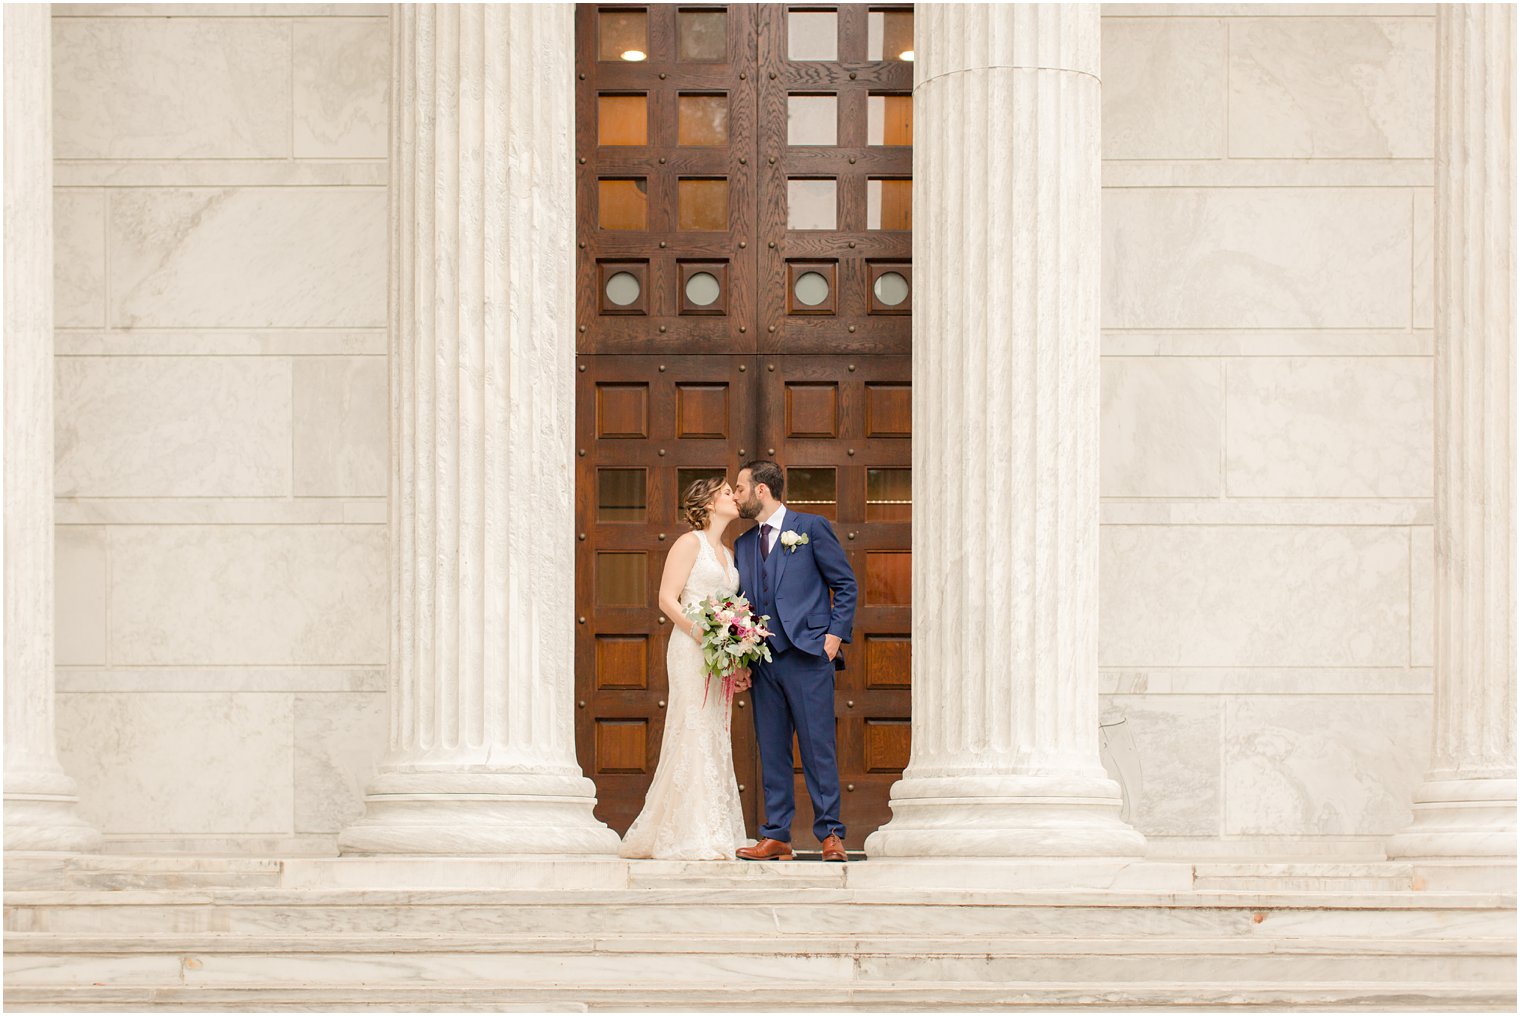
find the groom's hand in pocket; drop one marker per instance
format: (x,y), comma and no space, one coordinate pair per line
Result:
(831,645)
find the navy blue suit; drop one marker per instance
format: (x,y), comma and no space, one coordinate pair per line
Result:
(795,691)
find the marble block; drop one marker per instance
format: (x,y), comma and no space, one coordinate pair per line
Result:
(172,426)
(342,78)
(171,88)
(1160,427)
(342,408)
(1358,88)
(79,596)
(248,257)
(339,740)
(1256,257)
(1163,88)
(1226,596)
(79,258)
(1330,427)
(179,762)
(255,594)
(1175,790)
(1323,764)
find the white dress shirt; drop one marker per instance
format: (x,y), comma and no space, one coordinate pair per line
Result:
(775,523)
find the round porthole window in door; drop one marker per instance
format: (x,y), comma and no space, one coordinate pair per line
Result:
(702,289)
(811,289)
(623,289)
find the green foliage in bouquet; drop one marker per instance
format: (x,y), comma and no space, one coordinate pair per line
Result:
(732,636)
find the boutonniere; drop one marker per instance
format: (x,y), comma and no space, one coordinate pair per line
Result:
(791,540)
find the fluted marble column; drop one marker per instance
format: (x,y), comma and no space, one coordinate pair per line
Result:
(482,745)
(1466,806)
(1005,442)
(40,798)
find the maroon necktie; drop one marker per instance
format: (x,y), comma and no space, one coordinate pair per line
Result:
(765,542)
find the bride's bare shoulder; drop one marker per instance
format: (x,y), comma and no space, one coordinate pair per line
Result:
(686,542)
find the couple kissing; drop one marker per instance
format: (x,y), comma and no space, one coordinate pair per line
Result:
(795,576)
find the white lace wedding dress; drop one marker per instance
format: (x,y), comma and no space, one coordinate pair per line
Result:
(692,810)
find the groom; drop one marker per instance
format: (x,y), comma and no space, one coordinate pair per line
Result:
(788,566)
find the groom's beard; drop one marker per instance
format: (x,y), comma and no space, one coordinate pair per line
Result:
(750,509)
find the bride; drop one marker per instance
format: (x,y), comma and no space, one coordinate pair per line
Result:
(692,810)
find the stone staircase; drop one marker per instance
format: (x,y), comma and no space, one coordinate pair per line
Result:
(153,871)
(116,934)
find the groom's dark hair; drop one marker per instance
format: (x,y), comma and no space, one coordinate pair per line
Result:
(767,472)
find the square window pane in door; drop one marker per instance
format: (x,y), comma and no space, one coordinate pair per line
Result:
(889,204)
(701,35)
(624,35)
(812,120)
(622,204)
(889,35)
(621,495)
(813,489)
(702,120)
(889,495)
(620,578)
(702,204)
(811,204)
(812,35)
(889,120)
(622,120)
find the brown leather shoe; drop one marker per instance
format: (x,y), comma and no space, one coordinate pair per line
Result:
(767,850)
(833,848)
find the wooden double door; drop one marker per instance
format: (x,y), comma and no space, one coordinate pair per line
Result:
(744,290)
(649,425)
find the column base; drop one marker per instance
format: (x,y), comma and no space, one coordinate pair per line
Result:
(1460,818)
(42,814)
(1006,816)
(462,812)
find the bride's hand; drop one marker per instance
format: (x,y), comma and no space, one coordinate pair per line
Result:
(741,679)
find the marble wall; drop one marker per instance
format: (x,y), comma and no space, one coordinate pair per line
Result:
(221,420)
(220,417)
(1267,443)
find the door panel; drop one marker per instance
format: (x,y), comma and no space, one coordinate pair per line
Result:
(645,426)
(834,209)
(680,201)
(744,290)
(826,415)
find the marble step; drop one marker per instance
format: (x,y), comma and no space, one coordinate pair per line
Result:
(39,960)
(1304,876)
(559,872)
(679,875)
(128,871)
(912,996)
(762,912)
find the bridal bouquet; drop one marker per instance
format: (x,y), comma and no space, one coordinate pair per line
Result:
(732,637)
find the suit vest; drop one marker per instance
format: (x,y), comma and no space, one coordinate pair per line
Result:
(765,596)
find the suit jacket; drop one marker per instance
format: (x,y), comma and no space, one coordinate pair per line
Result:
(804,577)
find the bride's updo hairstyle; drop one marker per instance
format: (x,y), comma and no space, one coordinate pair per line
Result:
(697,502)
